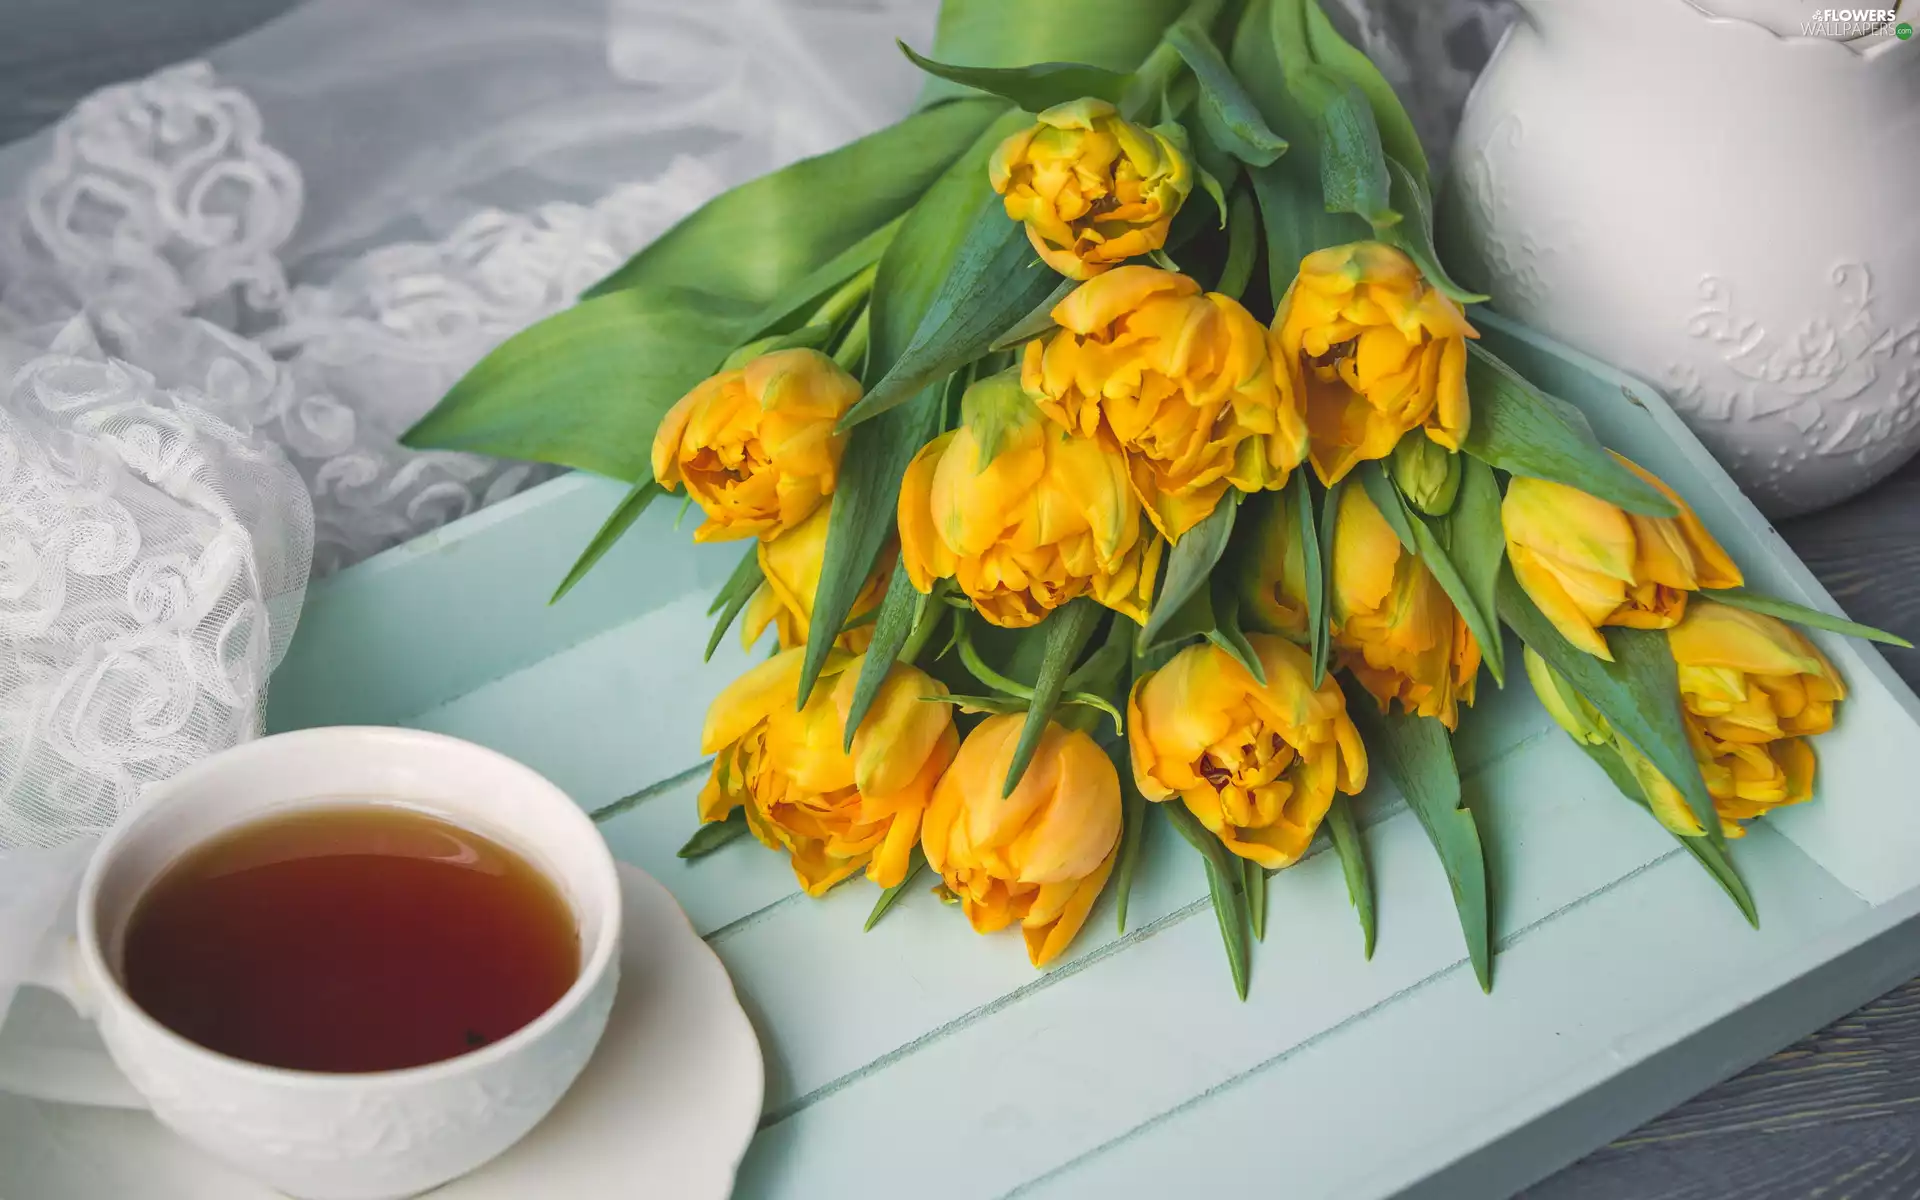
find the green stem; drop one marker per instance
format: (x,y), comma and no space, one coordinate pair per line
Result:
(849,296)
(853,348)
(931,610)
(977,667)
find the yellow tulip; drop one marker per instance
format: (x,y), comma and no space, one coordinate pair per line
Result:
(1050,518)
(1394,627)
(1752,678)
(1182,382)
(831,811)
(755,446)
(790,575)
(1257,765)
(1093,190)
(1374,351)
(1273,591)
(1753,690)
(1038,857)
(1587,563)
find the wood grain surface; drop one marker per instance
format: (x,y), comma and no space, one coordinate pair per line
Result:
(1836,1115)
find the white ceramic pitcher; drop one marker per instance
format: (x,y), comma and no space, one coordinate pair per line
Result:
(1719,207)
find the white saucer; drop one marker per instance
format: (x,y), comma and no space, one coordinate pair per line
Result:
(665,1108)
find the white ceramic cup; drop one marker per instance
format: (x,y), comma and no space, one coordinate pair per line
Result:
(371,1136)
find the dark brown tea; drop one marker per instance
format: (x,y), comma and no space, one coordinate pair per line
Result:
(350,938)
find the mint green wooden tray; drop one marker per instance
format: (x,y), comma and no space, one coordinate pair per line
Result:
(922,1060)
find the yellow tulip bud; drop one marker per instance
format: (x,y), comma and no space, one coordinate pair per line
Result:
(1587,563)
(1394,627)
(790,575)
(755,446)
(831,811)
(1050,518)
(1273,590)
(1427,473)
(1181,381)
(1374,351)
(1038,857)
(1093,190)
(1568,708)
(1257,764)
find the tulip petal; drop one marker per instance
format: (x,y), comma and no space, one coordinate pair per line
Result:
(746,701)
(901,731)
(1080,822)
(925,556)
(1043,946)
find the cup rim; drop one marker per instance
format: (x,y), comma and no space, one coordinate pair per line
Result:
(600,960)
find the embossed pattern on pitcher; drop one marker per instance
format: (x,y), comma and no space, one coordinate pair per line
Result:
(1753,255)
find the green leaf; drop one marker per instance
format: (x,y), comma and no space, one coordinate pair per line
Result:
(1716,859)
(1483,621)
(1417,756)
(1415,235)
(1243,245)
(1352,848)
(823,280)
(1013,33)
(1800,614)
(889,897)
(1068,629)
(753,243)
(899,610)
(714,834)
(1518,429)
(1037,323)
(612,530)
(1226,632)
(996,704)
(1476,541)
(586,387)
(1337,55)
(1190,562)
(1256,888)
(743,580)
(1035,88)
(991,284)
(733,597)
(915,267)
(1292,206)
(1320,571)
(861,517)
(1230,115)
(1133,832)
(1296,221)
(1353,167)
(1224,883)
(1638,693)
(1386,497)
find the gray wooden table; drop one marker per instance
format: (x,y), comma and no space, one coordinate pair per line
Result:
(1836,1115)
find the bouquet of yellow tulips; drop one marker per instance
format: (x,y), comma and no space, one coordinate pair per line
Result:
(1106,437)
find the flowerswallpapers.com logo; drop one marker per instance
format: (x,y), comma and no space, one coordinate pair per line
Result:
(1844,23)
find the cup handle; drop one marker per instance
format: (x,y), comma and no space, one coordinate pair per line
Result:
(50,1050)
